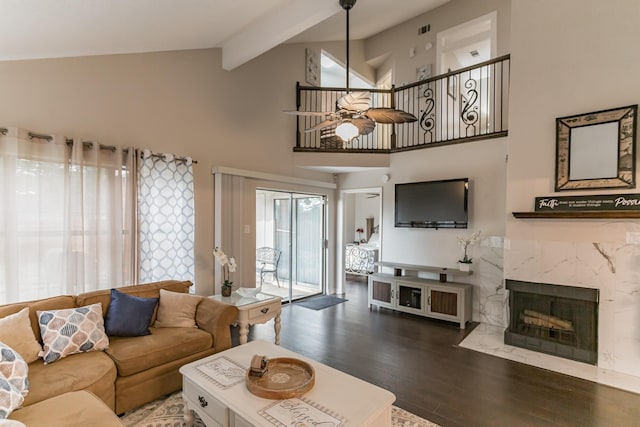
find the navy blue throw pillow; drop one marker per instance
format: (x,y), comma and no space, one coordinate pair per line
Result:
(128,315)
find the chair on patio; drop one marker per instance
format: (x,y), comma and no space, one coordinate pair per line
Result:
(269,259)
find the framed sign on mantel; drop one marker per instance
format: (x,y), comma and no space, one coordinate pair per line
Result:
(596,150)
(601,202)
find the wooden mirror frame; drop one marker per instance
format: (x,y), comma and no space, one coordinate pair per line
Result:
(626,142)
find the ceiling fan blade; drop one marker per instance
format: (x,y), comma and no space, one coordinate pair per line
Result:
(365,126)
(355,101)
(390,115)
(308,113)
(322,124)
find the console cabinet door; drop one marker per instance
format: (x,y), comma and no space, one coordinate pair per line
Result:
(381,292)
(443,303)
(410,297)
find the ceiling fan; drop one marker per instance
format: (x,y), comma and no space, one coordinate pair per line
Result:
(353,115)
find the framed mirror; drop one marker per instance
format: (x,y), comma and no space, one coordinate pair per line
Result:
(596,150)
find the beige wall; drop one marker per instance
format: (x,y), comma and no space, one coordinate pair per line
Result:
(559,73)
(483,162)
(181,102)
(184,102)
(396,41)
(573,57)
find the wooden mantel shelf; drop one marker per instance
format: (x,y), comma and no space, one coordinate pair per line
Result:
(578,215)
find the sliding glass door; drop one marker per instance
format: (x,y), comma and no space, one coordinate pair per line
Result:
(291,225)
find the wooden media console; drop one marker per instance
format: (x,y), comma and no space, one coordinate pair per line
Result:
(405,291)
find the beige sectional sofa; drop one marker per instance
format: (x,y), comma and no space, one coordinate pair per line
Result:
(132,370)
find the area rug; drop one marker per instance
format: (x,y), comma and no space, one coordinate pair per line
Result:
(168,412)
(320,302)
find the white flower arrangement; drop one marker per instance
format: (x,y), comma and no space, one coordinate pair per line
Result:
(227,263)
(465,243)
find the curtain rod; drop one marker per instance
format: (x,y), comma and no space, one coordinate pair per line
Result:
(179,158)
(89,144)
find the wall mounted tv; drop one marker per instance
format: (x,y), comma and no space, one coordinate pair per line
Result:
(432,204)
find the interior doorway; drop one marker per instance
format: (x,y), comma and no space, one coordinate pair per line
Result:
(292,226)
(361,233)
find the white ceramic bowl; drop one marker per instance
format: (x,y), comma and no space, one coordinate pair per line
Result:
(247,292)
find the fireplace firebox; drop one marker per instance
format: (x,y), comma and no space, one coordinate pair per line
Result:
(554,319)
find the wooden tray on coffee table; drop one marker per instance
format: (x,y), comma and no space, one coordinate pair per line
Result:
(285,378)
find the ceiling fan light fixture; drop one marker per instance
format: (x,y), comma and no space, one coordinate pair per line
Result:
(353,114)
(347,130)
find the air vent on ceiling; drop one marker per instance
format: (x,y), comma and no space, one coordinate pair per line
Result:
(474,53)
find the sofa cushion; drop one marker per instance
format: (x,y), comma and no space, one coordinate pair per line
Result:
(73,373)
(73,409)
(133,355)
(72,330)
(177,310)
(14,384)
(16,332)
(129,315)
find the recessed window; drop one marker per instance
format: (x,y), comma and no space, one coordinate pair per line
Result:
(332,74)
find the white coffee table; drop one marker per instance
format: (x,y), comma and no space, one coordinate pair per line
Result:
(254,309)
(214,388)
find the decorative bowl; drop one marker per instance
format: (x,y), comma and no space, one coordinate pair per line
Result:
(285,378)
(248,292)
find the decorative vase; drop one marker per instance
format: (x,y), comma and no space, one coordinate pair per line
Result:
(464,266)
(226,291)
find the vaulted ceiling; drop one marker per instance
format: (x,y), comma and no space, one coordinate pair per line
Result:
(243,29)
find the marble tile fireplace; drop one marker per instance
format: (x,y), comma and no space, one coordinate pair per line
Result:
(611,268)
(554,319)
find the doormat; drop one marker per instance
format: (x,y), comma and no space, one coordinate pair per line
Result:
(320,302)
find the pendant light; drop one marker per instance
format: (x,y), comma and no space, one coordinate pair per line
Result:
(347,130)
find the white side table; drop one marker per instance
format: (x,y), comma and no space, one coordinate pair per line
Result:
(251,310)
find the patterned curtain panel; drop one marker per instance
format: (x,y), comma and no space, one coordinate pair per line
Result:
(166,218)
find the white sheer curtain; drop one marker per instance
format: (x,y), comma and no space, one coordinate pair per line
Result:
(166,217)
(67,219)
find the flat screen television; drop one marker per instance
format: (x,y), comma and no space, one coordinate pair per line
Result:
(432,204)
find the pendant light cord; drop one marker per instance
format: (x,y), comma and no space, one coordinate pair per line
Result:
(348,50)
(347,5)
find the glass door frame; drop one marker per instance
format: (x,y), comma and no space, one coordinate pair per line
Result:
(291,197)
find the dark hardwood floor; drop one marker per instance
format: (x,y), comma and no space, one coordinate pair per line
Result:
(419,361)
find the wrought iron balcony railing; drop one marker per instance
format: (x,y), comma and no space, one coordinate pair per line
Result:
(460,106)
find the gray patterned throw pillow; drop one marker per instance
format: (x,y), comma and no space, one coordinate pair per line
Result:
(72,330)
(14,382)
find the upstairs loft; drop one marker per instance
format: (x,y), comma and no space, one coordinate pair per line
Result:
(464,105)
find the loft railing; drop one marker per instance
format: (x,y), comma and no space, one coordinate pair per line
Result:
(460,106)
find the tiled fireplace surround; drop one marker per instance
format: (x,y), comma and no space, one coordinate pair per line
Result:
(612,268)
